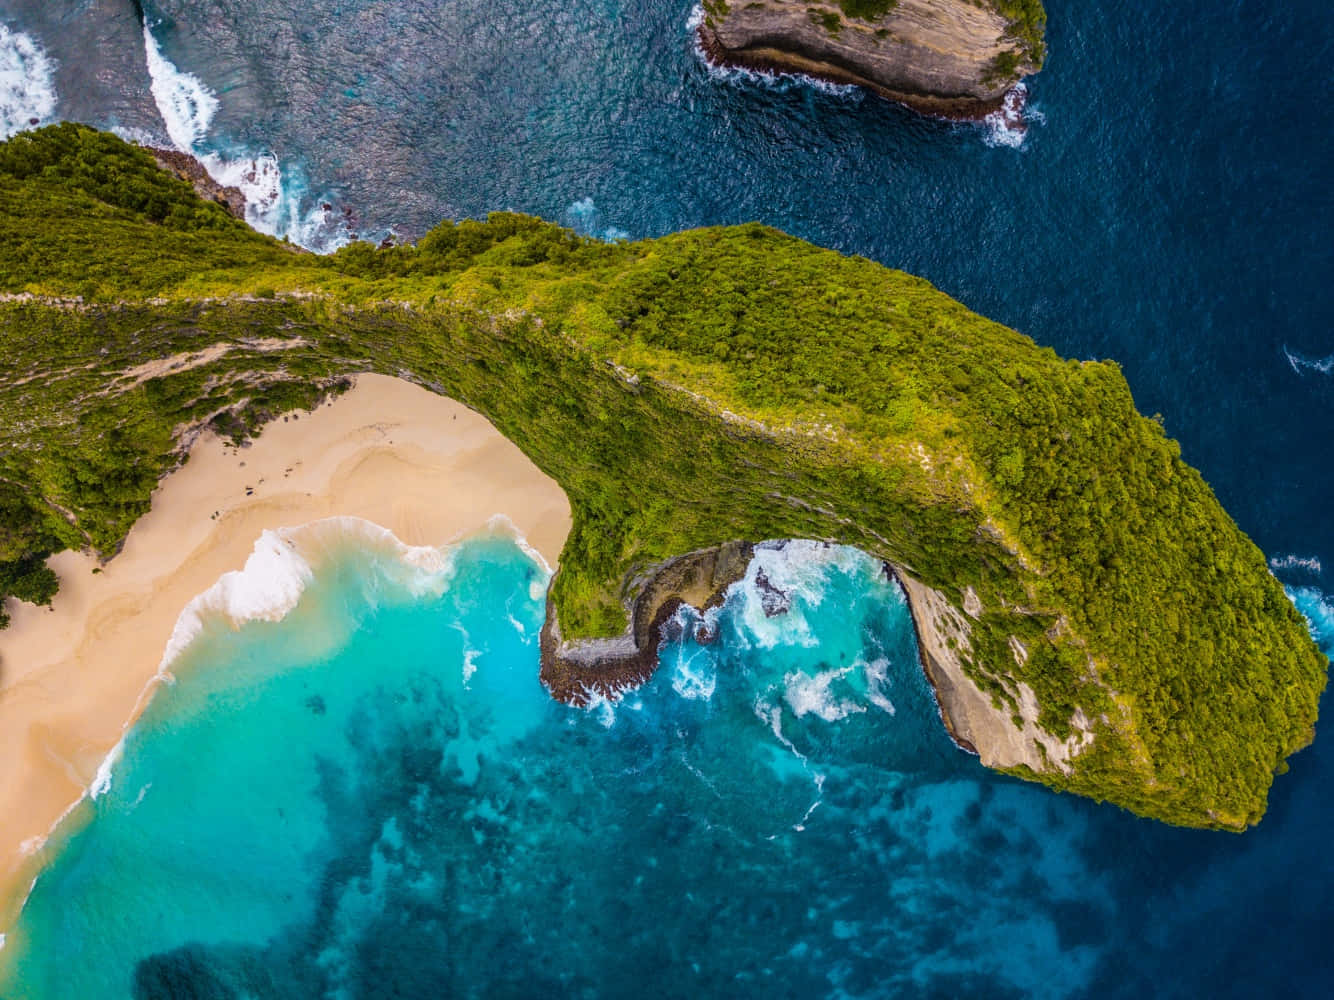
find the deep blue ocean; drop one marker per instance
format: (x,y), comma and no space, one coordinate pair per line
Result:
(362,823)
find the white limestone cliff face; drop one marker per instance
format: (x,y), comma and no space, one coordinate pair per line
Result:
(938,56)
(943,638)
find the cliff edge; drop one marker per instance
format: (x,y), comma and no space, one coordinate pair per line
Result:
(952,58)
(1088,612)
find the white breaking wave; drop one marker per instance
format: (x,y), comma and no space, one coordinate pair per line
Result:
(1318,610)
(1302,364)
(600,705)
(273,202)
(586,219)
(27,83)
(102,780)
(1307,564)
(186,104)
(281,566)
(694,677)
(798,569)
(1008,126)
(780,82)
(812,695)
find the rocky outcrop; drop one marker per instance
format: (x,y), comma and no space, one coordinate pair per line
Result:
(975,719)
(953,58)
(188,169)
(579,671)
(1004,733)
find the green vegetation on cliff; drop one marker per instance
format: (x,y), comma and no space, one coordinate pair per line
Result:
(715,385)
(1028,26)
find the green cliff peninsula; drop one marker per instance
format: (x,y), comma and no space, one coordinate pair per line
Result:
(1091,617)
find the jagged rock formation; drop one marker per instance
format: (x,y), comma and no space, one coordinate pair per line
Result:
(953,58)
(189,169)
(581,670)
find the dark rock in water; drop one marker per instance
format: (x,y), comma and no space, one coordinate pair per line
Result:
(187,168)
(706,634)
(576,671)
(774,601)
(672,630)
(316,704)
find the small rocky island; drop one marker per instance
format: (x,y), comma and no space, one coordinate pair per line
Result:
(951,58)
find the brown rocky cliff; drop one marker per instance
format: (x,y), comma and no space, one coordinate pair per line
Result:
(937,56)
(187,168)
(578,671)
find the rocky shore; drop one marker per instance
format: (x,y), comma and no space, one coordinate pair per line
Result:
(189,169)
(946,58)
(579,671)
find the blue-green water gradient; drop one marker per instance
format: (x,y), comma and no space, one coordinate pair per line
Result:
(375,797)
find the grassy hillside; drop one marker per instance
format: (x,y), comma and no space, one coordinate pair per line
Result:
(713,385)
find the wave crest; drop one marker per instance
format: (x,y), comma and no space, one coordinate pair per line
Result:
(275,200)
(27,83)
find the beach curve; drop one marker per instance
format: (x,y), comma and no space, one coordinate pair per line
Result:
(75,676)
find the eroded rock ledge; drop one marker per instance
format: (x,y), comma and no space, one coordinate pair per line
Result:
(950,58)
(581,671)
(189,169)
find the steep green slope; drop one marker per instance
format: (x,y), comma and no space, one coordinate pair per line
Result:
(715,385)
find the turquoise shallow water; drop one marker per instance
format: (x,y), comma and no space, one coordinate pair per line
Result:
(1169,208)
(375,797)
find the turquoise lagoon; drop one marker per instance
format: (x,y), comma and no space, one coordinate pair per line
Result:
(374,797)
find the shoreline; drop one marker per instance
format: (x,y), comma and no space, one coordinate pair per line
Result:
(74,677)
(771,60)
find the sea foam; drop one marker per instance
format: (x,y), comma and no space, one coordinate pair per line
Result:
(1291,562)
(1301,364)
(1008,125)
(799,570)
(187,106)
(275,200)
(27,83)
(812,694)
(779,82)
(279,569)
(1318,610)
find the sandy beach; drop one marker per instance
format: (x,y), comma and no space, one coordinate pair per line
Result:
(71,677)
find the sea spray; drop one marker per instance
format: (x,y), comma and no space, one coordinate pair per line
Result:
(1301,364)
(187,106)
(275,199)
(1318,610)
(1008,126)
(779,82)
(27,83)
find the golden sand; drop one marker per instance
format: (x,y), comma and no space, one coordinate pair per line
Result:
(71,678)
